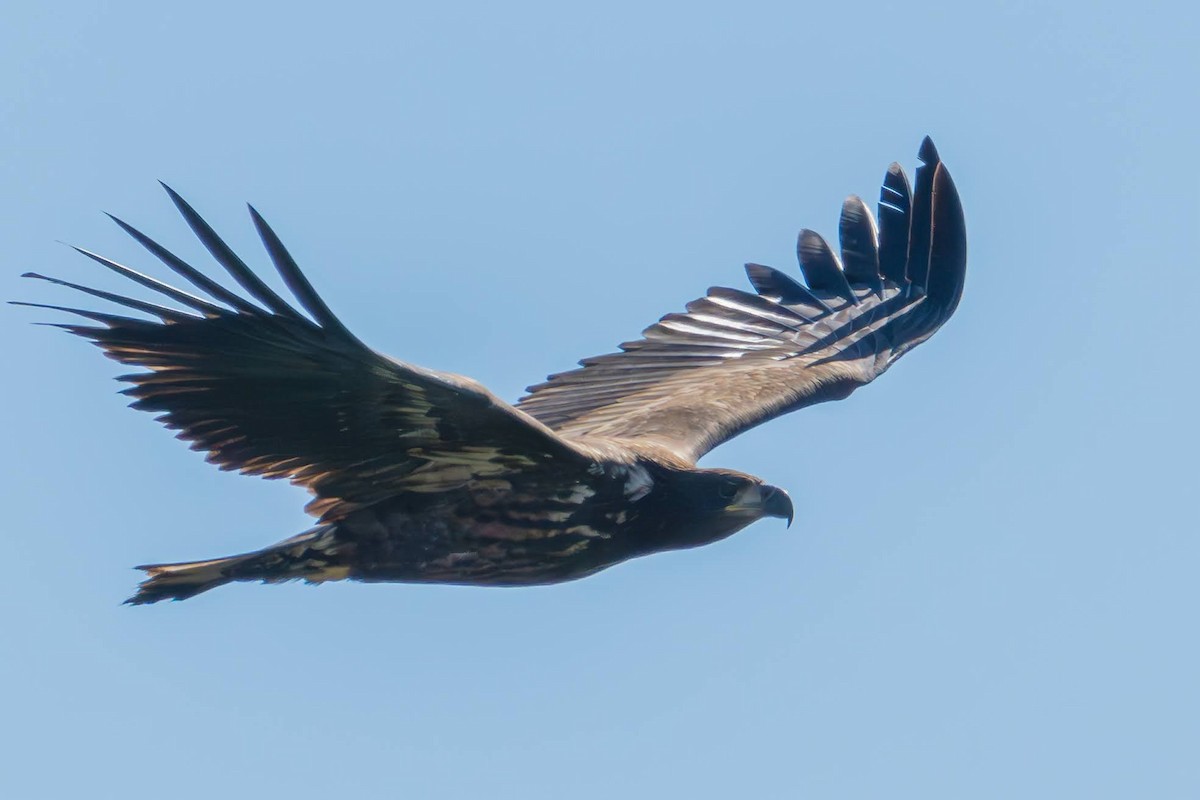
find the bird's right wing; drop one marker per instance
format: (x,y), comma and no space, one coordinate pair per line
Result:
(268,391)
(736,359)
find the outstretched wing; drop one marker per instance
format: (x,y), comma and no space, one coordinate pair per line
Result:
(734,359)
(269,391)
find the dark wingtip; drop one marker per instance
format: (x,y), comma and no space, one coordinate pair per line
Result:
(230,261)
(859,242)
(928,153)
(182,268)
(39,276)
(294,277)
(921,216)
(895,205)
(257,219)
(820,265)
(122,224)
(770,281)
(948,249)
(178,200)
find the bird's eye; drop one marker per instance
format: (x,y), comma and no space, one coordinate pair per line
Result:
(727,489)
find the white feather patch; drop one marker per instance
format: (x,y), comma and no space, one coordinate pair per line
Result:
(638,483)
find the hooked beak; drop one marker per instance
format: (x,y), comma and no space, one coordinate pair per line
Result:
(776,503)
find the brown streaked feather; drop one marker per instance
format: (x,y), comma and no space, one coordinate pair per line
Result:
(271,392)
(734,360)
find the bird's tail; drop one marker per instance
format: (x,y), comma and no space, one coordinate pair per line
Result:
(311,555)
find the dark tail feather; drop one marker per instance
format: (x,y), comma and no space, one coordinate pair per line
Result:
(184,580)
(310,555)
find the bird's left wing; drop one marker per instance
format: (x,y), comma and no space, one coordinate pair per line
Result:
(267,390)
(736,359)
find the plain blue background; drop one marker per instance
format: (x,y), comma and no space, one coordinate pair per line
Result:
(991,588)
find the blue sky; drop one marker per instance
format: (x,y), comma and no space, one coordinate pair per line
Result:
(990,591)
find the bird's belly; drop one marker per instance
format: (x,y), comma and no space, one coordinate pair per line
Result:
(443,545)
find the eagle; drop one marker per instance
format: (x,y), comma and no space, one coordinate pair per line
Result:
(421,476)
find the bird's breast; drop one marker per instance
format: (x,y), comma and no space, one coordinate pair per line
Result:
(496,534)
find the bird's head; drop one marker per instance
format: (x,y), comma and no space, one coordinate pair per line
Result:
(711,504)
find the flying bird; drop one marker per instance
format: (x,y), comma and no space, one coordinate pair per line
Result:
(427,477)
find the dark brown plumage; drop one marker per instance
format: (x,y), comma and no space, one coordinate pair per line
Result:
(423,476)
